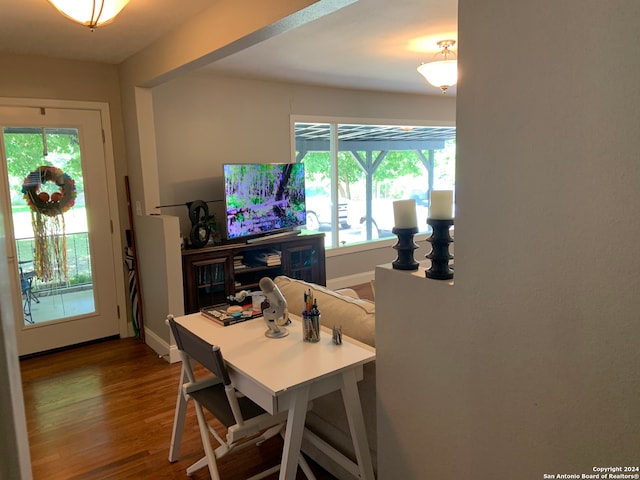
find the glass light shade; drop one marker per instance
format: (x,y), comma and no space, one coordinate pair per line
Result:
(441,74)
(90,13)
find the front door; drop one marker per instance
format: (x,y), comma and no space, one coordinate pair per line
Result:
(56,199)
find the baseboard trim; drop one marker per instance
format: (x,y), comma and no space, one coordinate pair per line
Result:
(161,347)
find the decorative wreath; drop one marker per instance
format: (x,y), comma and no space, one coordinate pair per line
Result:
(56,203)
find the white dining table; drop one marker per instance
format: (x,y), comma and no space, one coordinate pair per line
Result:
(285,374)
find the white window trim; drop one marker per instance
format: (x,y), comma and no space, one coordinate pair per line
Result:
(372,244)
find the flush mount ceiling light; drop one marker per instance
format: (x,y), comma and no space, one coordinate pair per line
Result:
(442,73)
(90,13)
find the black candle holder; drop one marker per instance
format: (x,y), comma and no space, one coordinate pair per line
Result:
(439,255)
(405,248)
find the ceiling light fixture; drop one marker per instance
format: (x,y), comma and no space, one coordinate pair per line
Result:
(442,73)
(90,13)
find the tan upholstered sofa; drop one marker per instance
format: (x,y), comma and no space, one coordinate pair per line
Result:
(327,418)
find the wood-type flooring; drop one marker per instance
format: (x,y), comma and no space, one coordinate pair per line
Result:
(105,411)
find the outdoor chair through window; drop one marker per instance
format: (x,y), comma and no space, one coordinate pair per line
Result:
(27,274)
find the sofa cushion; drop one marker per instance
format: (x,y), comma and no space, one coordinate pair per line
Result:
(355,315)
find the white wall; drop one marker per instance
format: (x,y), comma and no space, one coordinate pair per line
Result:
(529,363)
(161,291)
(15,460)
(46,78)
(203,121)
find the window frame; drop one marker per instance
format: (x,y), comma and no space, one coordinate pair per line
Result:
(335,248)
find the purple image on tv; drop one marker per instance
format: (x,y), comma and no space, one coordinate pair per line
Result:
(263,198)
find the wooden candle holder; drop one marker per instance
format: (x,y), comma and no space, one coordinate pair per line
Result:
(439,255)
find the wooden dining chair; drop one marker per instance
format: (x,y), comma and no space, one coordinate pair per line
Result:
(246,422)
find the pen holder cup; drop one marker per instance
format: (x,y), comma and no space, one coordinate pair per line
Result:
(310,327)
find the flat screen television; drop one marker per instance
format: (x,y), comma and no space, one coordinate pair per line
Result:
(263,198)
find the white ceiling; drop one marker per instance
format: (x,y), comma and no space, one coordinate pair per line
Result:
(371,44)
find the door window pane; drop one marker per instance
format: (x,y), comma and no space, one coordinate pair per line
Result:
(49,222)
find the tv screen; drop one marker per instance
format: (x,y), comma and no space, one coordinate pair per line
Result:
(263,198)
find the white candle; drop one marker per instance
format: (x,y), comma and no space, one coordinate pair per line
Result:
(404,214)
(441,204)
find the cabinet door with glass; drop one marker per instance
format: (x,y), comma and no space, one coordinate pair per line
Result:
(206,282)
(305,261)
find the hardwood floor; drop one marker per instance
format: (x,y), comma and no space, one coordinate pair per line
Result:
(105,411)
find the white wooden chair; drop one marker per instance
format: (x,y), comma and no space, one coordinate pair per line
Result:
(243,418)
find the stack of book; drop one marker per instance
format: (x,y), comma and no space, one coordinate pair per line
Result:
(238,262)
(223,314)
(270,258)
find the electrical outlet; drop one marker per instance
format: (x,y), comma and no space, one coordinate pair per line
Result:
(138,208)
